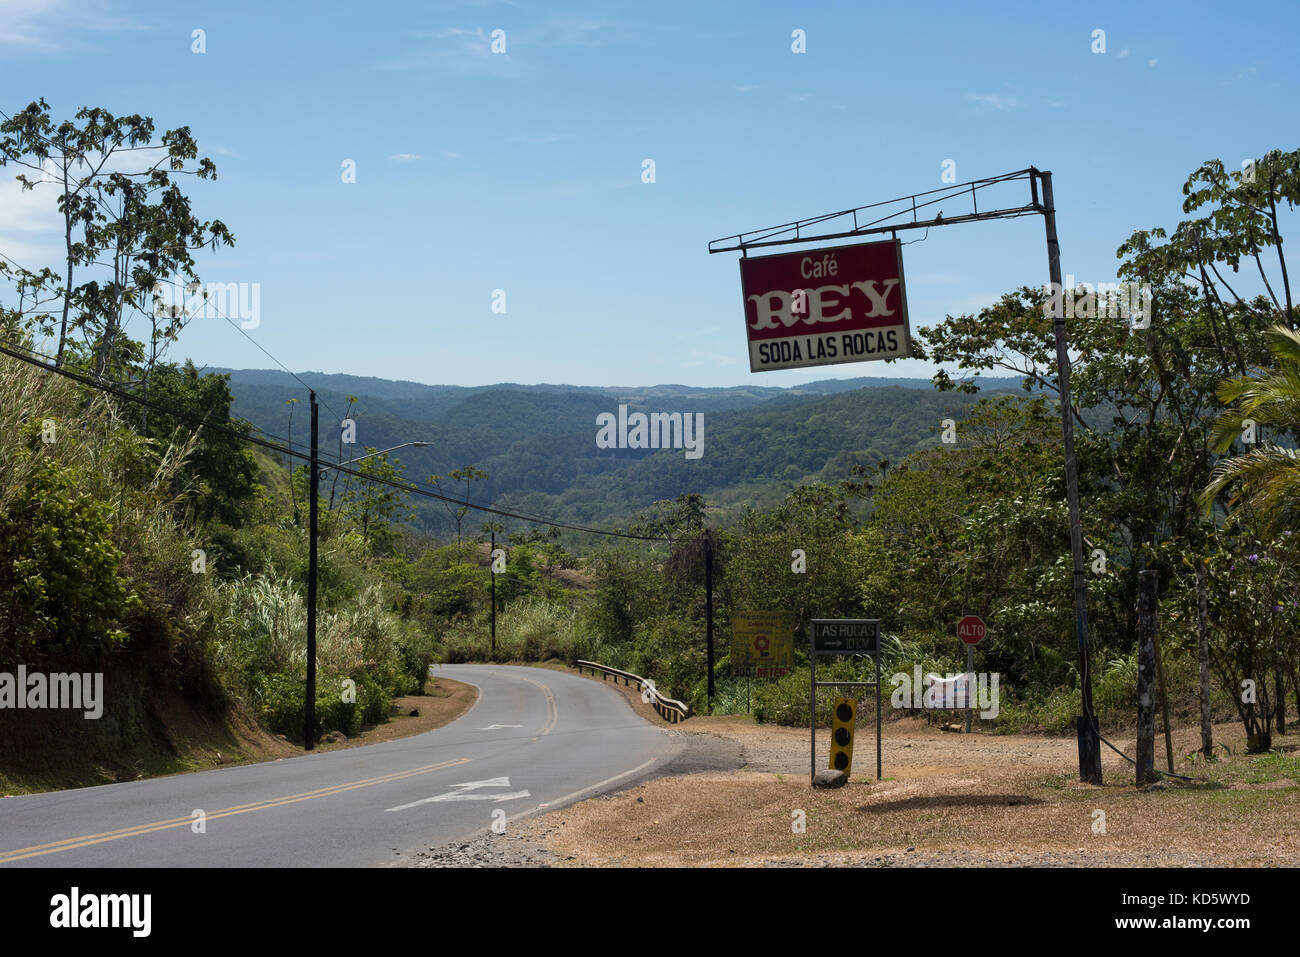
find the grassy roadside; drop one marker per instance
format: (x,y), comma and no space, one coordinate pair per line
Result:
(946,800)
(181,739)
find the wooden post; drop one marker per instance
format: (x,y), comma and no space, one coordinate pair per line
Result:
(1279,692)
(1160,683)
(1146,723)
(1207,729)
(708,609)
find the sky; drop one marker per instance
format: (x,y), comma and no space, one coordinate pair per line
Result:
(524,171)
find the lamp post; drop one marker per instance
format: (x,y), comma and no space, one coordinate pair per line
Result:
(317,470)
(361,458)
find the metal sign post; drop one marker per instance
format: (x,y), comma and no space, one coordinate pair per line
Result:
(842,636)
(971,631)
(918,211)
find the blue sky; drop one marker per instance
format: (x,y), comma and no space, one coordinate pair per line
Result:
(522,171)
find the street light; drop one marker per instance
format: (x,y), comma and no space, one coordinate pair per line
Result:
(404,445)
(321,471)
(317,470)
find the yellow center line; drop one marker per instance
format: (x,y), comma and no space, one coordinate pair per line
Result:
(552,712)
(85,840)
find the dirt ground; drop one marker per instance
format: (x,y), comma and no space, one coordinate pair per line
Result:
(947,799)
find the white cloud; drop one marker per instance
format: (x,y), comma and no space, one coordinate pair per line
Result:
(994,101)
(31,227)
(1152,63)
(747,88)
(405,157)
(564,32)
(468,50)
(48,26)
(448,154)
(1123,53)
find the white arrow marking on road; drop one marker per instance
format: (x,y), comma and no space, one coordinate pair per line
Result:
(493,727)
(466,791)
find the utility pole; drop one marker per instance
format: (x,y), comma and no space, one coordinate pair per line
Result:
(492,567)
(708,607)
(309,717)
(1089,742)
(309,726)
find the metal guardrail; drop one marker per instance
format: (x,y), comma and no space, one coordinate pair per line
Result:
(670,709)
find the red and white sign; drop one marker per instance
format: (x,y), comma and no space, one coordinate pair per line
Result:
(971,629)
(825,306)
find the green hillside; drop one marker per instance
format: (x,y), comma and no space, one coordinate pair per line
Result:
(538,443)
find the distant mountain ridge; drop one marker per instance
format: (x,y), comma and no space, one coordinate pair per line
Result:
(537,442)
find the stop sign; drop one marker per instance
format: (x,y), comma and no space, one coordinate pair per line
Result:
(971,629)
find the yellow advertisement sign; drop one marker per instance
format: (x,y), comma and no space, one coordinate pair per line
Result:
(761,644)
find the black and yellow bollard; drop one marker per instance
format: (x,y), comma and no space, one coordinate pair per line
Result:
(843,719)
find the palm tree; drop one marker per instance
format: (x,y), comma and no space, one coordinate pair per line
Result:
(1266,480)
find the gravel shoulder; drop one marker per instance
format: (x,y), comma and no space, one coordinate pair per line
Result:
(738,795)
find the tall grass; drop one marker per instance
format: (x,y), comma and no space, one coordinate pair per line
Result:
(529,629)
(262,629)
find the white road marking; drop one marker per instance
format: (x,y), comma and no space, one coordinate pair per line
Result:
(590,787)
(468,792)
(493,727)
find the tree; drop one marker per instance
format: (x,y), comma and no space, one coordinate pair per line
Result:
(1144,386)
(127,224)
(221,464)
(979,527)
(293,485)
(1265,480)
(1255,620)
(347,413)
(467,475)
(372,505)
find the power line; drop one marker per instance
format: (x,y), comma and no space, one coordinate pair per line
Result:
(238,328)
(99,200)
(221,314)
(403,486)
(123,385)
(411,487)
(243,332)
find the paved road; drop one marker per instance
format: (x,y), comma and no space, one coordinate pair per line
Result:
(534,737)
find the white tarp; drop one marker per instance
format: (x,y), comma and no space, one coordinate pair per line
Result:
(946,693)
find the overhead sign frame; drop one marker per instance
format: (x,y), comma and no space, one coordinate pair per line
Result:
(915,212)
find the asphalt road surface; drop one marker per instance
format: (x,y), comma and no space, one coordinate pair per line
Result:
(534,739)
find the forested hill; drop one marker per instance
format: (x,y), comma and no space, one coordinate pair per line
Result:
(538,442)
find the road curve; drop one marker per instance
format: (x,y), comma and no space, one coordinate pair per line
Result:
(533,738)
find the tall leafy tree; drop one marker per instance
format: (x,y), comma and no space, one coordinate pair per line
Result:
(221,465)
(128,226)
(464,476)
(372,505)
